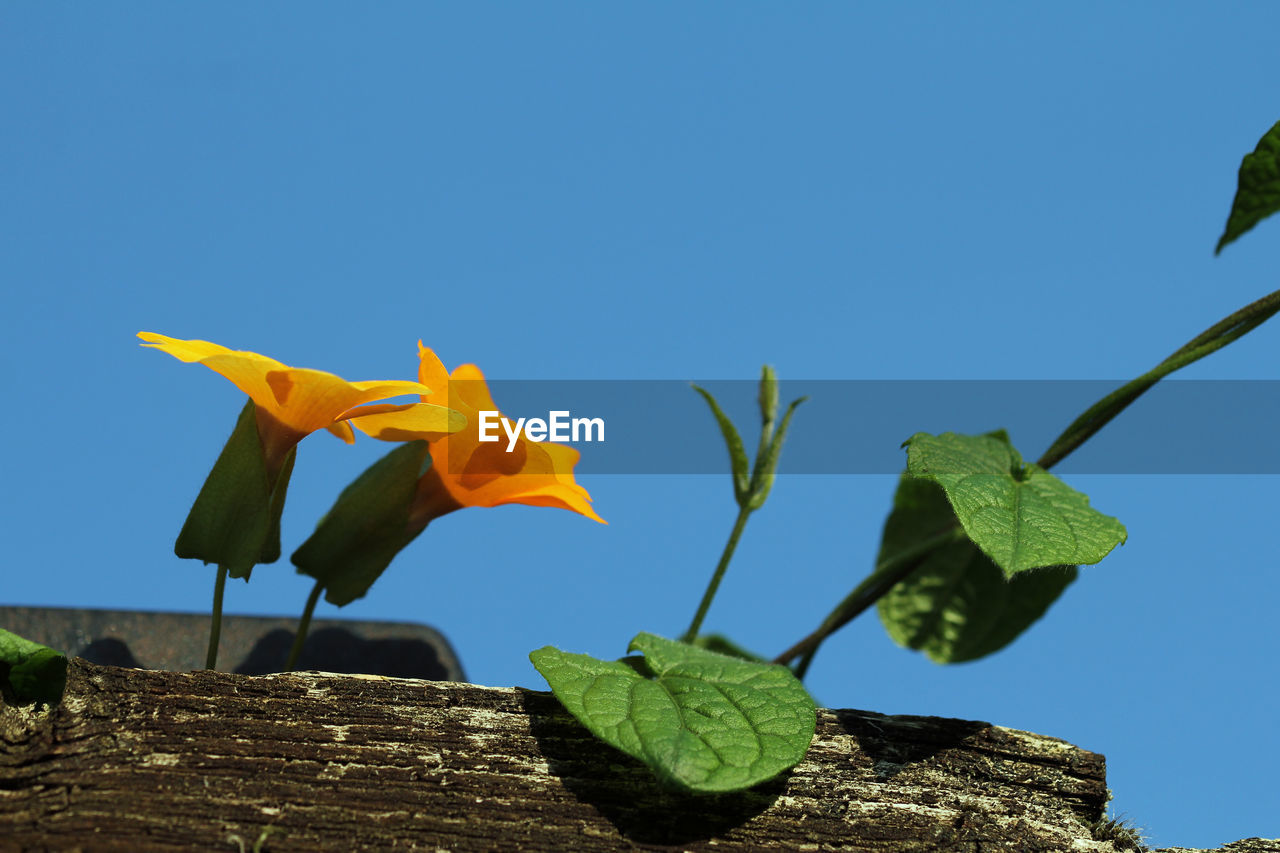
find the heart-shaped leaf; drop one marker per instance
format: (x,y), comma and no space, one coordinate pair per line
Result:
(703,721)
(956,605)
(1021,516)
(1257,188)
(30,672)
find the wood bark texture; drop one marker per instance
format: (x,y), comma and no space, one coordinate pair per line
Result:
(148,760)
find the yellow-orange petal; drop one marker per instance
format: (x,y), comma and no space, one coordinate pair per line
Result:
(550,495)
(406,422)
(559,500)
(380,389)
(194,350)
(431,370)
(248,371)
(342,430)
(468,384)
(562,459)
(302,399)
(487,478)
(466,472)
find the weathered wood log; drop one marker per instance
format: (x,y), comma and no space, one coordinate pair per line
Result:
(136,759)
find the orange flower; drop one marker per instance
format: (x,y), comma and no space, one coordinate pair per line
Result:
(293,402)
(467,472)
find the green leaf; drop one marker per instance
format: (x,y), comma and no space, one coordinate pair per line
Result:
(1021,516)
(956,605)
(1257,188)
(720,644)
(763,477)
(30,672)
(737,453)
(367,526)
(235,521)
(703,722)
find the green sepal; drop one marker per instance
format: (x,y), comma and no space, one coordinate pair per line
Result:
(1257,188)
(1020,515)
(767,462)
(737,453)
(703,722)
(235,520)
(956,605)
(30,672)
(366,527)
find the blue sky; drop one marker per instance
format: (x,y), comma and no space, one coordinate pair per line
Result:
(658,191)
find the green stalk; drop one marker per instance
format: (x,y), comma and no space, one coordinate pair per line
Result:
(887,573)
(1209,341)
(304,625)
(734,536)
(215,627)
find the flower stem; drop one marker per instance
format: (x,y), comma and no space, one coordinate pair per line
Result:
(215,627)
(304,625)
(696,625)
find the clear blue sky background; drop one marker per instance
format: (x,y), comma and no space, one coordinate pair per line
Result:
(657,191)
